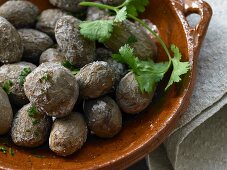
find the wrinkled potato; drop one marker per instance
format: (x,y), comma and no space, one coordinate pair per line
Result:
(119,69)
(52,89)
(12,72)
(19,13)
(103,116)
(11,47)
(51,55)
(129,97)
(48,19)
(68,134)
(95,79)
(144,47)
(6,113)
(94,13)
(35,42)
(68,5)
(77,49)
(113,2)
(30,127)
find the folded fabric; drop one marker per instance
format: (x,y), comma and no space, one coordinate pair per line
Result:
(208,98)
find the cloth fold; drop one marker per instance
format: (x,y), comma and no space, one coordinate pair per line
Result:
(209,96)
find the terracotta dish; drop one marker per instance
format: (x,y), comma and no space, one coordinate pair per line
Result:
(144,132)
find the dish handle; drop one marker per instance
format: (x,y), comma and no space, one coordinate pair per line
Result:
(204,10)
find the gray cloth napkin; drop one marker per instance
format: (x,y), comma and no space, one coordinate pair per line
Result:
(199,140)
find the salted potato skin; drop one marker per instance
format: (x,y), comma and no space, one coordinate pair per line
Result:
(95,79)
(68,134)
(48,19)
(11,72)
(19,13)
(52,89)
(51,55)
(6,113)
(11,47)
(129,97)
(103,117)
(94,13)
(68,5)
(144,47)
(77,49)
(119,69)
(34,42)
(27,134)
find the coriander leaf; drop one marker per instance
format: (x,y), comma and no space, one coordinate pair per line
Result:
(147,73)
(121,15)
(179,68)
(7,86)
(23,74)
(126,56)
(99,30)
(134,7)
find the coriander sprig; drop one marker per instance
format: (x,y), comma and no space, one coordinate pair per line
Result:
(148,73)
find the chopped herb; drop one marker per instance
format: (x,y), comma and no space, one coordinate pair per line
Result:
(32,111)
(35,121)
(67,64)
(3,149)
(23,75)
(11,152)
(28,130)
(45,77)
(7,86)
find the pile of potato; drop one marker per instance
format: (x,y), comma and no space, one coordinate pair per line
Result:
(33,47)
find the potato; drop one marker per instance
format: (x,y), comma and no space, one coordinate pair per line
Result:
(12,72)
(77,49)
(94,13)
(51,55)
(30,127)
(129,97)
(68,134)
(11,47)
(103,116)
(144,47)
(95,79)
(35,42)
(6,113)
(119,69)
(19,13)
(48,19)
(52,89)
(68,5)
